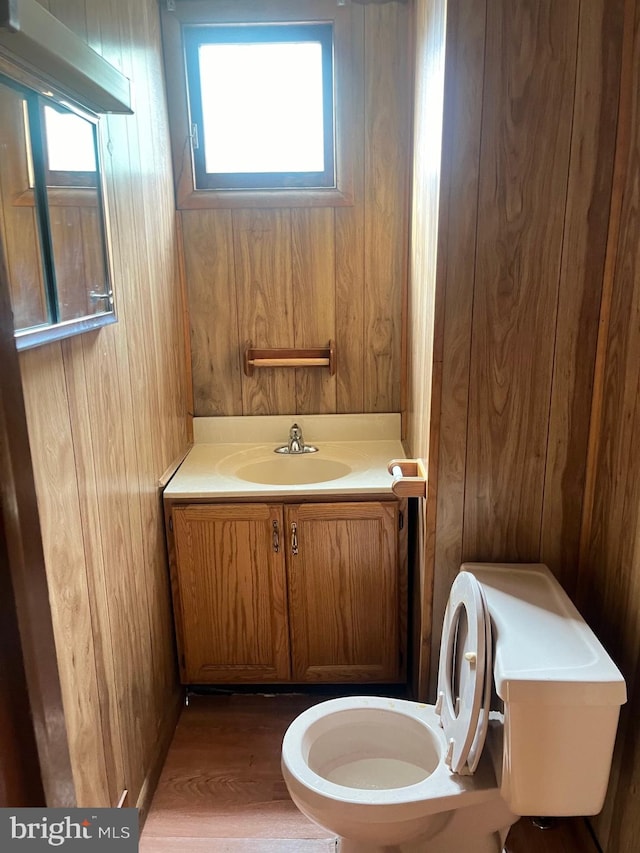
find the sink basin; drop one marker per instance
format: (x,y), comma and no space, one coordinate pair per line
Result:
(293,470)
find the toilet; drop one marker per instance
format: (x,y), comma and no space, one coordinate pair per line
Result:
(524,724)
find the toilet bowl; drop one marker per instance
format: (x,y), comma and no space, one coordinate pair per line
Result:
(394,775)
(372,770)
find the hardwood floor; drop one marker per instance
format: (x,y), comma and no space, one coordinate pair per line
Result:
(221,790)
(567,836)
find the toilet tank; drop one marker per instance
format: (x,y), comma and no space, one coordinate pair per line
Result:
(561,692)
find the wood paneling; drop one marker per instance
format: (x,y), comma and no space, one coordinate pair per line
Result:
(524,163)
(21,555)
(93,519)
(609,579)
(58,503)
(106,416)
(313,283)
(303,276)
(20,779)
(386,132)
(350,249)
(580,286)
(529,138)
(22,567)
(464,92)
(423,364)
(262,253)
(430,37)
(213,312)
(533,220)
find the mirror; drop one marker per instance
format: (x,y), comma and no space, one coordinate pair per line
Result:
(52,218)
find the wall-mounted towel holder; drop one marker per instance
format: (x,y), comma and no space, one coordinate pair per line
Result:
(409,478)
(290,357)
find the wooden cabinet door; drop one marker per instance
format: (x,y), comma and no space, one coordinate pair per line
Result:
(344,592)
(230,593)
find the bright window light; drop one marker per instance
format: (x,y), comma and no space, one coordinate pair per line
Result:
(262,107)
(69,142)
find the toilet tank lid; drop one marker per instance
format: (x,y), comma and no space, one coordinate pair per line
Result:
(544,651)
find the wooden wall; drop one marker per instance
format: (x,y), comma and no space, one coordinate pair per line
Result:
(20,779)
(429,35)
(302,276)
(423,375)
(529,135)
(531,98)
(106,416)
(536,424)
(609,579)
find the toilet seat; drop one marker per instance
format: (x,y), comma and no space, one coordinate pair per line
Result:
(464,674)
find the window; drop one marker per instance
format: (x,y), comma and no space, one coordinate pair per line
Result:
(277,126)
(261,105)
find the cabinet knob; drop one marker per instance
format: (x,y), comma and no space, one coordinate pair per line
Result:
(294,538)
(276,537)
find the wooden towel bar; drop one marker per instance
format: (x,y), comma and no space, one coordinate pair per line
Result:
(290,357)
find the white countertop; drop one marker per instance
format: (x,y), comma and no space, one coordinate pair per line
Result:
(231,453)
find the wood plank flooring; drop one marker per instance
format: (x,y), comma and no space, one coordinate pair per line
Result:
(568,836)
(222,783)
(221,790)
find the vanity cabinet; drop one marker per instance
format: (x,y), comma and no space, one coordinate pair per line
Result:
(344,592)
(229,592)
(306,592)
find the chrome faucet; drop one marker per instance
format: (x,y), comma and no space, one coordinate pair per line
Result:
(296,444)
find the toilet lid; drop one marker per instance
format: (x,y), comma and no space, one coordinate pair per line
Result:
(464,674)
